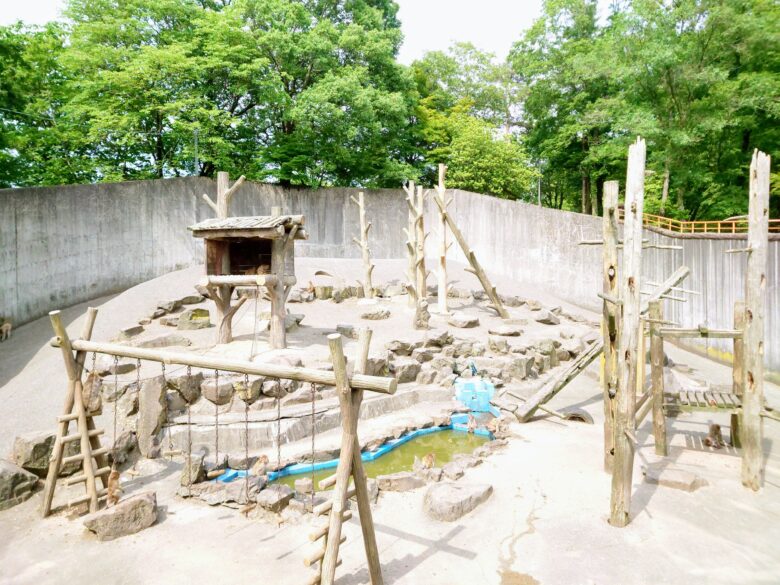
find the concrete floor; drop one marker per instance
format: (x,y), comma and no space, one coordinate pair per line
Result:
(545,523)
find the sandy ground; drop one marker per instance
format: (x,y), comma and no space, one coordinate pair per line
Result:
(544,524)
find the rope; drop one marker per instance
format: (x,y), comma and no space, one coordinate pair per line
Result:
(189,437)
(216,418)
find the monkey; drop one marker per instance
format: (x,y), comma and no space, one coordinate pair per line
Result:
(472,424)
(495,425)
(5,330)
(715,437)
(114,488)
(429,461)
(260,270)
(310,288)
(260,465)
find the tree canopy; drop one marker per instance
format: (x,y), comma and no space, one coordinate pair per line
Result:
(310,92)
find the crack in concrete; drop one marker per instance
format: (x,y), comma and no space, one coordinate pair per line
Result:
(509,576)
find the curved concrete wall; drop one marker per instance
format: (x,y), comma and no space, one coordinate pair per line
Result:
(63,245)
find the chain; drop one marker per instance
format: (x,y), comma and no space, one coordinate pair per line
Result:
(116,400)
(313,395)
(189,435)
(94,358)
(278,430)
(216,418)
(246,436)
(168,424)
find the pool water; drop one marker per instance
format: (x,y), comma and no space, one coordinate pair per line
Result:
(444,444)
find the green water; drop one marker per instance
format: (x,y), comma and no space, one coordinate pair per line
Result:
(444,444)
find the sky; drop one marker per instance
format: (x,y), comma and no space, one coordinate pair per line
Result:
(491,25)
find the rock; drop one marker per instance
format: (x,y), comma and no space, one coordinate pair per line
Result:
(145,321)
(187,386)
(193,470)
(194,319)
(301,395)
(533,305)
(430,475)
(405,369)
(562,355)
(130,332)
(129,516)
(438,338)
(151,415)
(498,344)
(304,485)
(672,477)
(426,376)
(453,470)
(169,306)
(422,354)
(450,501)
(272,388)
(16,484)
(275,497)
(402,481)
(467,460)
(125,444)
(218,392)
(463,321)
(347,331)
(105,366)
(203,290)
(376,315)
(377,365)
(175,402)
(547,318)
(506,330)
(170,320)
(323,292)
(399,347)
(249,389)
(574,346)
(339,294)
(170,340)
(296,296)
(156,314)
(422,315)
(31,451)
(192,299)
(512,301)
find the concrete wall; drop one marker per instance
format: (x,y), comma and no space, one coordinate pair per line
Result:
(539,246)
(63,245)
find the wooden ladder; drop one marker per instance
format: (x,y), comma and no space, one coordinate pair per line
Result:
(350,466)
(93,457)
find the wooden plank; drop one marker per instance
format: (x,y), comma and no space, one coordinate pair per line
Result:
(322,377)
(620,502)
(323,530)
(657,378)
(609,314)
(682,396)
(755,305)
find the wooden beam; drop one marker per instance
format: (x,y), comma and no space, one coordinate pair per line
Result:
(441,271)
(278,335)
(476,268)
(657,378)
(755,306)
(623,467)
(678,332)
(609,313)
(321,377)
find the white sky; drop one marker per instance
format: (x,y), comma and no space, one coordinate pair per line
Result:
(491,25)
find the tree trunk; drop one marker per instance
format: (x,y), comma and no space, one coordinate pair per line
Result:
(586,203)
(665,192)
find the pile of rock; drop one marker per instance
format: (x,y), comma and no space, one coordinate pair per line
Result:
(169,307)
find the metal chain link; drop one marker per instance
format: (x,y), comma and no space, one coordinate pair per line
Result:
(189,435)
(313,395)
(116,400)
(278,430)
(167,424)
(216,418)
(246,436)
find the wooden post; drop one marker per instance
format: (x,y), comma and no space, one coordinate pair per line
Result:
(738,371)
(755,300)
(476,268)
(609,319)
(365,226)
(278,334)
(422,273)
(221,294)
(441,273)
(620,506)
(411,243)
(657,377)
(359,474)
(343,471)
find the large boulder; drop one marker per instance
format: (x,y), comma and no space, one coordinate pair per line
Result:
(186,385)
(547,318)
(152,407)
(506,330)
(32,452)
(402,481)
(450,501)
(463,320)
(16,484)
(275,497)
(129,516)
(194,319)
(405,369)
(218,391)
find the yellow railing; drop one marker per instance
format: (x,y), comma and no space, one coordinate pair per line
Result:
(736,225)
